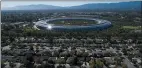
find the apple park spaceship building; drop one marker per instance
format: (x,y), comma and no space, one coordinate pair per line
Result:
(46,25)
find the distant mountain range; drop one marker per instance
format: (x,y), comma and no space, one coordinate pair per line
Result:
(133,5)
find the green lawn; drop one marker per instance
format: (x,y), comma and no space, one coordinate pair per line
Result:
(131,27)
(74,22)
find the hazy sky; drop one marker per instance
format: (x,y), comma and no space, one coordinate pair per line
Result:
(55,3)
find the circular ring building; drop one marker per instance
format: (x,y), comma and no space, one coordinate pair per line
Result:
(47,25)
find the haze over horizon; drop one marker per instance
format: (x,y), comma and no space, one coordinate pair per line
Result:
(7,4)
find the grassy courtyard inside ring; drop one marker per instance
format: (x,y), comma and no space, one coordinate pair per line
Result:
(67,22)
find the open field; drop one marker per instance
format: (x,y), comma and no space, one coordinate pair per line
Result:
(131,27)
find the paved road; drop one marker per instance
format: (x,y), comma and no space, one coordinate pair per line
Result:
(129,64)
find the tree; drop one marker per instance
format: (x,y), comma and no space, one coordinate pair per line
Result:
(124,66)
(125,51)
